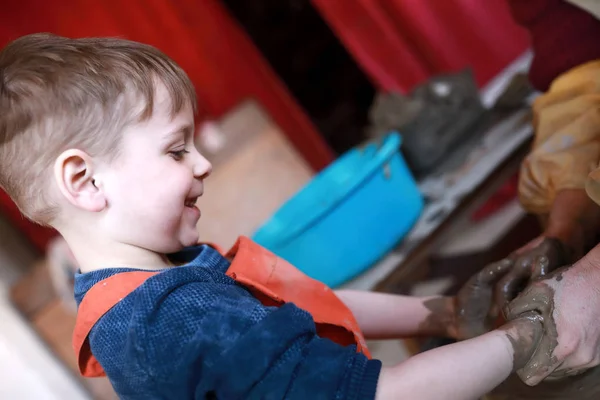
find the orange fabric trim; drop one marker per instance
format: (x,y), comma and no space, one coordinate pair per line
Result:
(263,272)
(103,296)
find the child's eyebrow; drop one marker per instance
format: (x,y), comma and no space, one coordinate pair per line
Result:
(184,130)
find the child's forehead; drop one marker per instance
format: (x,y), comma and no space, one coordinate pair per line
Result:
(159,110)
(164,121)
(162,97)
(164,105)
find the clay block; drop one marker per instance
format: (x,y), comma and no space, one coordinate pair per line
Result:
(433,119)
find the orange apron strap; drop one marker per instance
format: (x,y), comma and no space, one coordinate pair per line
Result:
(274,281)
(103,296)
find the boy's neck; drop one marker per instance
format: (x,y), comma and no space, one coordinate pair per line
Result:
(93,254)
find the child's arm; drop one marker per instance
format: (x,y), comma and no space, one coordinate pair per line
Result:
(464,370)
(392,316)
(384,316)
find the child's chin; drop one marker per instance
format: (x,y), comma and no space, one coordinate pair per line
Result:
(190,239)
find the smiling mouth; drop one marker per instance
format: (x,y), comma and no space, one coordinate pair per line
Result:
(191,202)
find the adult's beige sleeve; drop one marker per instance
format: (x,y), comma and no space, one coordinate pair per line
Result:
(566,149)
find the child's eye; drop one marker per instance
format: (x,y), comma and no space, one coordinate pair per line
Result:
(178,154)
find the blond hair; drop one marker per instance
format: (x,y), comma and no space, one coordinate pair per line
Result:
(58,93)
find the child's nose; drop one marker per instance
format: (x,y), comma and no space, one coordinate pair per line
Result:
(202,167)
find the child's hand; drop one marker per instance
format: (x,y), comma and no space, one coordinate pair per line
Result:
(524,334)
(460,317)
(441,322)
(474,302)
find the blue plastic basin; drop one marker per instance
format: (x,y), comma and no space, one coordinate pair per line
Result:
(348,216)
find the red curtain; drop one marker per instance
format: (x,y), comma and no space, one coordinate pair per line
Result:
(199,34)
(399,43)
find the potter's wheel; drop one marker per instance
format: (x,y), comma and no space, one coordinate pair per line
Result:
(582,387)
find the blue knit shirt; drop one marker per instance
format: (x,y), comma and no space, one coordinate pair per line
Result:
(191,332)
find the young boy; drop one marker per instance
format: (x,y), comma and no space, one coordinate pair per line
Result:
(96,140)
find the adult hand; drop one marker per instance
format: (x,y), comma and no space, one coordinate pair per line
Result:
(536,259)
(568,300)
(480,300)
(571,227)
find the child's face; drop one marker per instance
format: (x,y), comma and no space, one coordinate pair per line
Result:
(152,187)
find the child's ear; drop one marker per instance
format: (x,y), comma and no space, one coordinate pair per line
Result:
(74,174)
